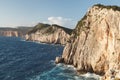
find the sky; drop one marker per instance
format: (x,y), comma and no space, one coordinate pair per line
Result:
(66,13)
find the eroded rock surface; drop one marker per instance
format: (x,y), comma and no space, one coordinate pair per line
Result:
(94,45)
(9,33)
(52,34)
(14,32)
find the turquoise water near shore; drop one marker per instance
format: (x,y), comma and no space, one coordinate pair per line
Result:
(22,60)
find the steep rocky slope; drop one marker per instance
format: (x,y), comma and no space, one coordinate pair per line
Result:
(9,33)
(46,33)
(16,32)
(94,45)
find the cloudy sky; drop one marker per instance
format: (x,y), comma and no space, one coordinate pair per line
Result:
(30,12)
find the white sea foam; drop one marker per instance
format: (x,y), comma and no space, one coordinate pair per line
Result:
(23,40)
(70,66)
(92,75)
(66,71)
(87,75)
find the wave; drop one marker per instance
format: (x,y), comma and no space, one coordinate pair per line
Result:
(64,72)
(92,75)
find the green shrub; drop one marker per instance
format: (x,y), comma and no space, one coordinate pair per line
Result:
(115,8)
(80,27)
(39,26)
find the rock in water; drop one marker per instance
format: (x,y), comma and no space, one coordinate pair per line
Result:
(59,60)
(94,45)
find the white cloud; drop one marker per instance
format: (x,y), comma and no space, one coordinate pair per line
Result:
(66,22)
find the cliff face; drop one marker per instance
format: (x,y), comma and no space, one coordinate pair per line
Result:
(49,34)
(16,32)
(9,33)
(94,45)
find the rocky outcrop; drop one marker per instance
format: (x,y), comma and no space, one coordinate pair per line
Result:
(58,60)
(94,45)
(9,33)
(14,32)
(45,33)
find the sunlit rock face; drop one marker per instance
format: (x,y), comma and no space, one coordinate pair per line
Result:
(52,34)
(94,45)
(9,33)
(14,32)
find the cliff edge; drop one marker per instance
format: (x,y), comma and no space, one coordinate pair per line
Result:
(46,33)
(14,32)
(94,45)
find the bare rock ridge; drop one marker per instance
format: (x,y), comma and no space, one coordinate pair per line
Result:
(16,32)
(46,33)
(94,45)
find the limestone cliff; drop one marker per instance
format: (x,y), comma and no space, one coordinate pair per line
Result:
(94,45)
(9,33)
(45,33)
(15,32)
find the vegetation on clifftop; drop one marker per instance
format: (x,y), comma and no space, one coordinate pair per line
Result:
(21,29)
(80,27)
(49,29)
(67,30)
(115,8)
(39,26)
(81,24)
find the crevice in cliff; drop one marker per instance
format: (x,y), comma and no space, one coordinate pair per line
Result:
(73,51)
(107,32)
(86,33)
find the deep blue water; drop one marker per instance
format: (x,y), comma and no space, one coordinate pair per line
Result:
(21,60)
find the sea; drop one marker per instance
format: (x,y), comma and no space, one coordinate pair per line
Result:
(25,60)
